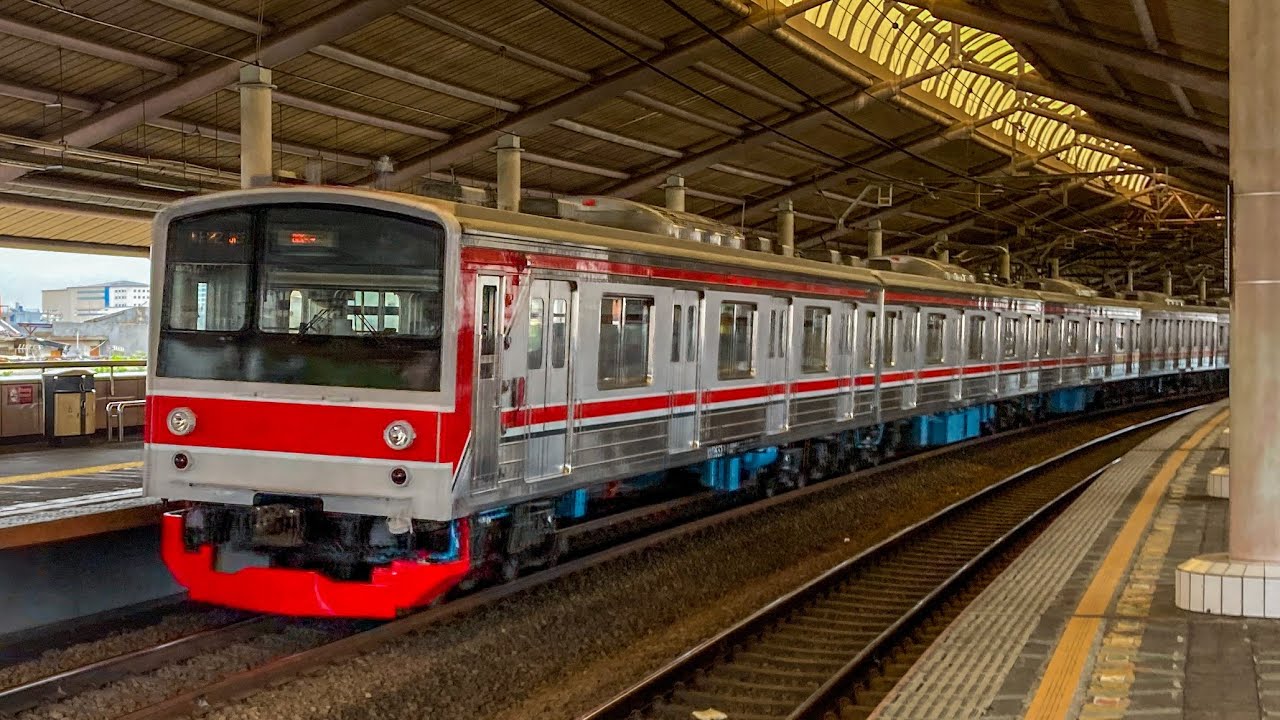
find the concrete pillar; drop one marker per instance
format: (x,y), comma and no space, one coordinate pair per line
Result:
(1168,282)
(944,255)
(314,171)
(1128,279)
(1254,534)
(875,239)
(675,193)
(508,152)
(1204,290)
(382,169)
(1054,268)
(1006,266)
(786,228)
(255,126)
(1255,327)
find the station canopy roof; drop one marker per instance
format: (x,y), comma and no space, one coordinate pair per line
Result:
(1091,131)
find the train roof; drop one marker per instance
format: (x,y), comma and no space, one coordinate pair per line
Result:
(502,223)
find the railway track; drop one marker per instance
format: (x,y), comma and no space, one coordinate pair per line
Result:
(29,695)
(812,652)
(627,536)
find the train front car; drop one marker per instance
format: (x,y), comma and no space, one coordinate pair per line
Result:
(302,400)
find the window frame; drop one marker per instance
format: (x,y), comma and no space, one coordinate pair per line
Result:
(939,358)
(540,315)
(808,314)
(980,321)
(621,382)
(752,311)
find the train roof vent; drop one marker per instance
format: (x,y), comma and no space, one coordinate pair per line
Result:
(1222,302)
(914,265)
(631,215)
(1058,285)
(454,192)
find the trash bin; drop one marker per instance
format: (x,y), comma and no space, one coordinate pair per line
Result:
(70,406)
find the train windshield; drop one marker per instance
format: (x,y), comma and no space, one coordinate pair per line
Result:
(305,294)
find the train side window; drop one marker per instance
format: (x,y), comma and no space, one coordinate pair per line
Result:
(817,333)
(559,332)
(737,340)
(691,327)
(1072,341)
(677,315)
(1052,343)
(977,337)
(488,319)
(935,338)
(624,342)
(1012,326)
(909,340)
(773,333)
(1119,329)
(889,350)
(1033,338)
(1096,338)
(868,341)
(536,307)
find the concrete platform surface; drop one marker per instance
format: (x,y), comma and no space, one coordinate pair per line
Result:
(1083,624)
(55,479)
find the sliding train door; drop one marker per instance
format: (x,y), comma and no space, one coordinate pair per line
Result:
(547,379)
(485,423)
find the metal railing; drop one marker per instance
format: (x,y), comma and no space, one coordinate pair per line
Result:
(95,364)
(115,416)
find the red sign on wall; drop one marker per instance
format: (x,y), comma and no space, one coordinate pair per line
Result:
(22,394)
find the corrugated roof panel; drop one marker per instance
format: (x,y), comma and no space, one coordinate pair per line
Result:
(445,112)
(46,224)
(531,27)
(634,121)
(33,63)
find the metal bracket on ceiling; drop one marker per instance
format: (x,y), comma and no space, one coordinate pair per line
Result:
(883,199)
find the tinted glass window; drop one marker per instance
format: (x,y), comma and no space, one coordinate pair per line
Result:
(737,340)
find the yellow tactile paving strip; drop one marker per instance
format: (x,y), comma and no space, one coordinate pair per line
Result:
(69,472)
(1056,693)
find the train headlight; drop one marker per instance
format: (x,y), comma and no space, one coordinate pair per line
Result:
(399,435)
(181,421)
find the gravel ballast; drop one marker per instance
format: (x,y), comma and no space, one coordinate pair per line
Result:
(558,650)
(134,693)
(172,626)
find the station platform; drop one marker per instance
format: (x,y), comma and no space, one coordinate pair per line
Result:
(52,494)
(1083,623)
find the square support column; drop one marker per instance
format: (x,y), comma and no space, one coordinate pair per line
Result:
(1254,537)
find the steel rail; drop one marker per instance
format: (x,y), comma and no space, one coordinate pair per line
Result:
(693,668)
(28,695)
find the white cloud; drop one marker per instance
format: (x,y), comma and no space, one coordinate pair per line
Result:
(24,273)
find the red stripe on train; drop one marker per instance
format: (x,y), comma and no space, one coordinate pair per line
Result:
(339,430)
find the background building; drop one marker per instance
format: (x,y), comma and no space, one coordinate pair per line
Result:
(83,302)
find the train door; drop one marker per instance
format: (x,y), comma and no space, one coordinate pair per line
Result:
(547,388)
(906,332)
(776,320)
(684,371)
(485,425)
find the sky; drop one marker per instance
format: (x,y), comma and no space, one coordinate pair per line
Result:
(24,273)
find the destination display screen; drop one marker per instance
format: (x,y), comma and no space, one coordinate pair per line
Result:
(294,238)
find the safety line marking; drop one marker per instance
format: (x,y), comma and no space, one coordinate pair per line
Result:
(52,474)
(1057,689)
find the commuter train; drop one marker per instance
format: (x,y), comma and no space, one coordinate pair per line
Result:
(365,399)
